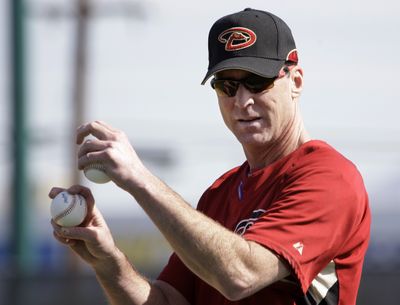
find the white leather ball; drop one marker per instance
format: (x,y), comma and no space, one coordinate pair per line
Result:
(96,173)
(68,210)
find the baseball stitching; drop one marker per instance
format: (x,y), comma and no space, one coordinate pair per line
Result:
(96,166)
(68,210)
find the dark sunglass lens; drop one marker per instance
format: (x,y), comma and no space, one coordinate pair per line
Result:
(256,84)
(231,87)
(225,87)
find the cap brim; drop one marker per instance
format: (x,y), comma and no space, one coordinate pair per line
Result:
(260,66)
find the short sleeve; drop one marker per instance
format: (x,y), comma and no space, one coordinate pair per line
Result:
(179,276)
(319,206)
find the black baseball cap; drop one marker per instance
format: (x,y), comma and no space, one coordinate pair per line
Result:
(252,40)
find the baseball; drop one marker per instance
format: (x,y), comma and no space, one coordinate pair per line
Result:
(68,210)
(96,173)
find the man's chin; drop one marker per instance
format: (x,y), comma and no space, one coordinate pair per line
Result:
(254,140)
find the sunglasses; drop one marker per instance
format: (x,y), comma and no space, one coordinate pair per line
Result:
(254,83)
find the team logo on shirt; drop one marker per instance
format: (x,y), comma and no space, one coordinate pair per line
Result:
(244,224)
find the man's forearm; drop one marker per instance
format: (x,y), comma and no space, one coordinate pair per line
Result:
(123,285)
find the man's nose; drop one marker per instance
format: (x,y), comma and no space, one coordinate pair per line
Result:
(244,97)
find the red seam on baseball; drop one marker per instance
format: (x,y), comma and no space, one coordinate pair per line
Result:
(67,211)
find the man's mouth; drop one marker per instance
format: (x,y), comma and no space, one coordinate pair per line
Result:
(249,120)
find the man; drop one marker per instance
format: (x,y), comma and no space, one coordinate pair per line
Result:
(288,226)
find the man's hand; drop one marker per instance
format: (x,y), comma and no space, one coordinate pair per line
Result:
(92,240)
(112,149)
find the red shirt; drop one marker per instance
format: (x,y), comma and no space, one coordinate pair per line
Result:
(310,208)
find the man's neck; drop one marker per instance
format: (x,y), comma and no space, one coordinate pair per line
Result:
(293,138)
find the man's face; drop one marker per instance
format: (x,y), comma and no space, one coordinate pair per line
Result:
(258,119)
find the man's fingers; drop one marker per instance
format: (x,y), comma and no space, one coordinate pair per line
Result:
(92,145)
(78,246)
(84,191)
(55,191)
(94,157)
(57,235)
(97,129)
(65,241)
(87,194)
(107,126)
(70,233)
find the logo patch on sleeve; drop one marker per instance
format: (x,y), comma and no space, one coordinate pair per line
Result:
(299,247)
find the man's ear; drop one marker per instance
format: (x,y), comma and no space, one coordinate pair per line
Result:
(297,82)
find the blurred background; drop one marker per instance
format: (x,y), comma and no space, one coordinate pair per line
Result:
(138,66)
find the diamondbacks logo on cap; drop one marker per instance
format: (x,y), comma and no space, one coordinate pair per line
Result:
(237,38)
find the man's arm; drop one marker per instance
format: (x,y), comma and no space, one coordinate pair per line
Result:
(124,285)
(234,266)
(94,243)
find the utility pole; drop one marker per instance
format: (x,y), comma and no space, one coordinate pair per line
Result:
(82,12)
(20,249)
(85,9)
(80,79)
(19,136)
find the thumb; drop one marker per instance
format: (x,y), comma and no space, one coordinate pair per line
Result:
(77,233)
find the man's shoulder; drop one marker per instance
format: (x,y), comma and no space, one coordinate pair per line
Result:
(317,152)
(321,163)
